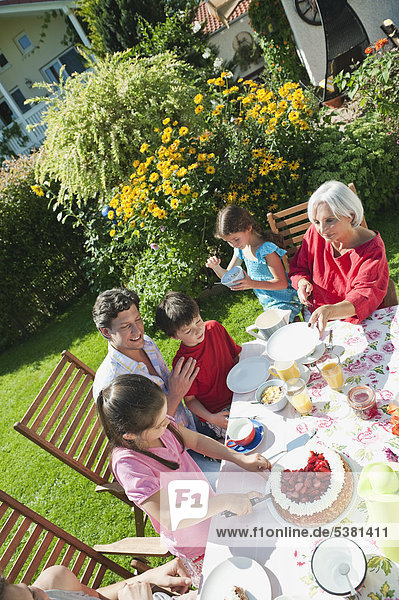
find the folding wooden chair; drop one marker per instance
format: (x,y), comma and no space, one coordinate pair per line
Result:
(63,420)
(292,223)
(29,543)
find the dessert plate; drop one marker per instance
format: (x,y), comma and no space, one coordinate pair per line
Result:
(315,355)
(259,434)
(292,341)
(237,570)
(248,374)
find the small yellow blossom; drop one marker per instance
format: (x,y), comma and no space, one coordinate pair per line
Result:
(199,109)
(37,190)
(183,131)
(166,121)
(112,232)
(144,148)
(198,99)
(111,215)
(210,170)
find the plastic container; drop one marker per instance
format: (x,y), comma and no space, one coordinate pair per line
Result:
(362,399)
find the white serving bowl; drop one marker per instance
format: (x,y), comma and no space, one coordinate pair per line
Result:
(232,276)
(275,406)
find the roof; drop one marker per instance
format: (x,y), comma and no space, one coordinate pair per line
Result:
(211,23)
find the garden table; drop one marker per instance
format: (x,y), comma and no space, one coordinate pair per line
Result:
(371,357)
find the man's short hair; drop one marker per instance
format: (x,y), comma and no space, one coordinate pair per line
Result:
(110,303)
(175,311)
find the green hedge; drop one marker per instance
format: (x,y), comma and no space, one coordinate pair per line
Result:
(39,256)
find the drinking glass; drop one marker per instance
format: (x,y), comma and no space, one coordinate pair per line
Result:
(330,368)
(298,395)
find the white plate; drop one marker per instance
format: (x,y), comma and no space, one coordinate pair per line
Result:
(290,461)
(326,559)
(292,341)
(316,354)
(241,571)
(248,374)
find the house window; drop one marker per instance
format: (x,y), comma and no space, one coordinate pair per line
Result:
(19,100)
(6,116)
(73,64)
(4,64)
(23,42)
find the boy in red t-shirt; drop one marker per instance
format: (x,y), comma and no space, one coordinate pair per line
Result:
(216,353)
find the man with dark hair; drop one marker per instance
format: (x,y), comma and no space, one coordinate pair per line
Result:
(117,317)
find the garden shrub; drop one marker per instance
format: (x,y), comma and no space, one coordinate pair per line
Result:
(269,21)
(96,120)
(374,84)
(254,150)
(39,257)
(360,152)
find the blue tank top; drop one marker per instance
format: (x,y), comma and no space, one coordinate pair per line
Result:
(259,271)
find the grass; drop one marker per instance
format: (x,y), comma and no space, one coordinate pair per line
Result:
(42,482)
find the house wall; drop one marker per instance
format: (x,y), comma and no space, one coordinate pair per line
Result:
(223,40)
(310,39)
(29,65)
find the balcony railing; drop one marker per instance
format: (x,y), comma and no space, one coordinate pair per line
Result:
(35,136)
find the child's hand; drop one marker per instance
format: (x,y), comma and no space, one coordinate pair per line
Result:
(244,284)
(254,462)
(240,504)
(221,418)
(213,262)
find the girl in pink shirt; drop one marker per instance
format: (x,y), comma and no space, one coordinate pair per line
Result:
(148,450)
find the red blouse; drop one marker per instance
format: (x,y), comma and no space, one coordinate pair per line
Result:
(360,275)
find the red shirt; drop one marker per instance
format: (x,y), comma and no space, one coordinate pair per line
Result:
(215,357)
(360,275)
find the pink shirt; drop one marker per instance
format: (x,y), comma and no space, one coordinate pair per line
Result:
(141,477)
(360,275)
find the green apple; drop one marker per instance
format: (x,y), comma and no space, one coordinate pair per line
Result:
(383,479)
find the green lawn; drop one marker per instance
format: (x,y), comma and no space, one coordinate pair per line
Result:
(56,491)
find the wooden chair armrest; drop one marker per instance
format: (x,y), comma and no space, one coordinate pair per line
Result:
(136,546)
(113,487)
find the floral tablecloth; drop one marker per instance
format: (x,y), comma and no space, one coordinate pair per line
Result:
(371,357)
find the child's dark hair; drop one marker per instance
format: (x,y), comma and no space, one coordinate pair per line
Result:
(233,218)
(3,585)
(130,404)
(175,311)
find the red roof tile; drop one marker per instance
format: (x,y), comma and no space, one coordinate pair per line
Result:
(211,23)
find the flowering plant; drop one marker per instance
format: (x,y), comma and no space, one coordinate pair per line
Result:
(249,148)
(247,153)
(373,83)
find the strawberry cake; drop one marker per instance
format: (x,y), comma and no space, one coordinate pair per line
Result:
(311,486)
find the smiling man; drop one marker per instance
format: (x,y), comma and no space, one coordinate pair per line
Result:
(116,315)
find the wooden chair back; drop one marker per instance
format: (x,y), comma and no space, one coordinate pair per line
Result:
(291,224)
(30,543)
(63,420)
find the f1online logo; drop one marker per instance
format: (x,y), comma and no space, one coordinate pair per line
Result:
(188,499)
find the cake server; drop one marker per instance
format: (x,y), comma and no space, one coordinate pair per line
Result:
(256,500)
(299,441)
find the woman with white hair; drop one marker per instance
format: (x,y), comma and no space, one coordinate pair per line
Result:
(341,269)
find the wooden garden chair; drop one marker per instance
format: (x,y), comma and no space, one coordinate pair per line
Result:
(292,223)
(29,543)
(63,420)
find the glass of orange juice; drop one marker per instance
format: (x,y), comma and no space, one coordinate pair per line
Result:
(297,393)
(329,365)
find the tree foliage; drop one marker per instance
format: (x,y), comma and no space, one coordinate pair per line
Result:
(96,121)
(113,24)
